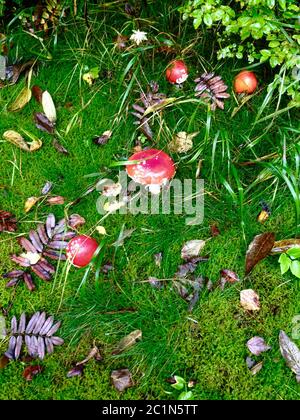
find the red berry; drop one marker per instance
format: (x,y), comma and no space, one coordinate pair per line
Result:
(177,72)
(81,249)
(245,82)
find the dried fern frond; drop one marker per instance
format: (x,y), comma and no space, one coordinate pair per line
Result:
(37,336)
(211,89)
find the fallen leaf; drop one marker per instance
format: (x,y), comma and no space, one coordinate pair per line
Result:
(43,123)
(48,106)
(30,202)
(37,93)
(101,140)
(258,249)
(121,379)
(91,76)
(189,267)
(291,353)
(155,282)
(22,99)
(47,188)
(214,230)
(159,106)
(250,300)
(32,257)
(127,341)
(18,69)
(158,259)
(54,201)
(4,360)
(121,42)
(284,245)
(101,230)
(256,368)
(16,139)
(59,147)
(250,362)
(182,142)
(35,145)
(228,276)
(257,345)
(93,354)
(192,249)
(31,371)
(75,221)
(124,234)
(75,371)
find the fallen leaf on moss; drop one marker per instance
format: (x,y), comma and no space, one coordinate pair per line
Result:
(182,142)
(250,300)
(121,379)
(22,99)
(57,200)
(101,230)
(257,345)
(284,245)
(37,93)
(101,140)
(256,368)
(127,341)
(59,147)
(30,202)
(192,249)
(228,276)
(4,360)
(15,138)
(48,106)
(259,249)
(43,123)
(91,76)
(291,353)
(31,371)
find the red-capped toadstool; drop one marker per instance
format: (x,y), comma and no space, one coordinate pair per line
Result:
(177,72)
(81,249)
(153,169)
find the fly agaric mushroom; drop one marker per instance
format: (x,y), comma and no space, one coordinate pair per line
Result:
(177,72)
(245,82)
(81,249)
(153,169)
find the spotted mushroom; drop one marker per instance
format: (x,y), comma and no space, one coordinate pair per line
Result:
(177,72)
(152,168)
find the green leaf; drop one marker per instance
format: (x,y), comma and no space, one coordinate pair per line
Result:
(208,20)
(295,268)
(285,263)
(179,384)
(186,395)
(282,4)
(294,252)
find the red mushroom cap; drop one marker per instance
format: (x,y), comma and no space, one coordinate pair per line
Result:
(155,167)
(177,72)
(81,249)
(245,82)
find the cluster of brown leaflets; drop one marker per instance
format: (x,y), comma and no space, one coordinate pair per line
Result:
(47,241)
(212,90)
(78,368)
(45,16)
(8,222)
(149,99)
(37,335)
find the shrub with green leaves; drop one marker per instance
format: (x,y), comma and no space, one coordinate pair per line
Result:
(256,30)
(289,261)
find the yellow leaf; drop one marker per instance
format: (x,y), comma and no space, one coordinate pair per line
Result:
(30,202)
(16,139)
(182,142)
(22,99)
(157,107)
(35,145)
(128,341)
(101,230)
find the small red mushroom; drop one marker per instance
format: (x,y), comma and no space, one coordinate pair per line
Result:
(177,72)
(245,82)
(81,249)
(154,169)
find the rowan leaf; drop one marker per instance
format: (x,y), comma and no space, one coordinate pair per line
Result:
(259,249)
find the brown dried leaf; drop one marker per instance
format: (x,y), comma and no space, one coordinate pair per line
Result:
(4,360)
(101,140)
(31,371)
(182,142)
(290,352)
(37,93)
(75,221)
(127,341)
(284,245)
(43,123)
(30,202)
(215,231)
(121,42)
(259,249)
(93,354)
(59,147)
(121,379)
(192,249)
(250,300)
(54,201)
(228,276)
(256,368)
(16,139)
(257,345)
(17,69)
(22,99)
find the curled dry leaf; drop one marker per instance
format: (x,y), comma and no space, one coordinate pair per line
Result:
(257,345)
(250,300)
(284,245)
(43,123)
(256,368)
(182,142)
(22,99)
(37,93)
(30,202)
(75,371)
(101,230)
(192,249)
(228,276)
(57,200)
(48,106)
(8,222)
(101,140)
(259,249)
(31,371)
(47,188)
(59,147)
(291,353)
(127,341)
(121,379)
(75,221)
(16,139)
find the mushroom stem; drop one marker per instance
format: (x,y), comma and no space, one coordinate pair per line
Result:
(154,188)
